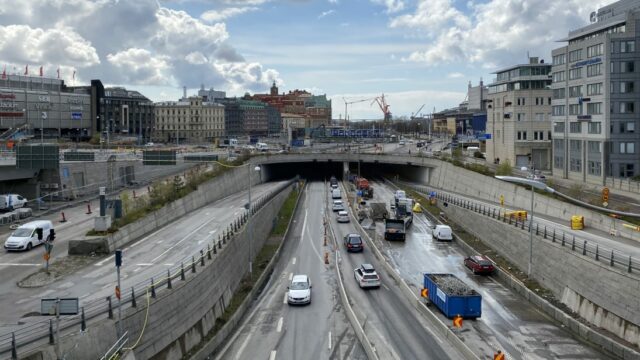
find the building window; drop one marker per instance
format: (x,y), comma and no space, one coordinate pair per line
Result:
(627,127)
(575,127)
(521,116)
(558,76)
(626,87)
(594,108)
(575,73)
(575,165)
(594,128)
(627,66)
(594,89)
(627,148)
(558,127)
(594,147)
(521,101)
(575,55)
(559,59)
(539,117)
(575,91)
(626,170)
(557,110)
(538,135)
(595,168)
(559,93)
(626,107)
(522,135)
(627,46)
(595,50)
(594,70)
(575,109)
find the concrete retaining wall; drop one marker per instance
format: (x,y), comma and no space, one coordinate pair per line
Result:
(230,182)
(178,319)
(462,181)
(607,297)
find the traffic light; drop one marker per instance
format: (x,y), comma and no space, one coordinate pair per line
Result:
(52,235)
(39,232)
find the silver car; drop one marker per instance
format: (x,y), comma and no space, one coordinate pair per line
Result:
(366,276)
(299,290)
(343,217)
(338,205)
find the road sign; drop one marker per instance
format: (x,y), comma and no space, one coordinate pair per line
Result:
(457,321)
(605,195)
(118,292)
(68,306)
(424,293)
(46,256)
(605,203)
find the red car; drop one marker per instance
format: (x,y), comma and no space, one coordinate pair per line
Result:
(479,264)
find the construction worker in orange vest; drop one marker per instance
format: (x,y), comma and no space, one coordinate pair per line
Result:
(498,356)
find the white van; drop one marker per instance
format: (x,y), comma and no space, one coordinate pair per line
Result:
(262,146)
(443,233)
(9,202)
(25,237)
(335,194)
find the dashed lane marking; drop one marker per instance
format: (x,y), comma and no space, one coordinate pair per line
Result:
(273,355)
(293,262)
(18,264)
(280,322)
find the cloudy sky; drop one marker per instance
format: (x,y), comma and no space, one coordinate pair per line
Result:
(414,51)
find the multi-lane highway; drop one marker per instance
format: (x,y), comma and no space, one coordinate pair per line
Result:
(147,257)
(319,330)
(508,322)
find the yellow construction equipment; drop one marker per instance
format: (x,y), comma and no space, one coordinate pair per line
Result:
(577,222)
(516,214)
(417,208)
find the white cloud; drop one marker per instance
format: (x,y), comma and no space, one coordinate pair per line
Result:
(455,75)
(219,15)
(333,1)
(392,6)
(246,76)
(196,58)
(326,13)
(140,66)
(23,44)
(495,33)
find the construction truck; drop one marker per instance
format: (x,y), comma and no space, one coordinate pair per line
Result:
(396,228)
(362,184)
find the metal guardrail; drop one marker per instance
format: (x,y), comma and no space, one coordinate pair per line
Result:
(588,248)
(114,351)
(20,339)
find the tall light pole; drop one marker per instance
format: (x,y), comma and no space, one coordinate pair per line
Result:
(43,117)
(249,222)
(534,185)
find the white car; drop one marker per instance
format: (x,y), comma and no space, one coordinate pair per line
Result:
(9,202)
(26,237)
(299,290)
(343,217)
(366,276)
(338,205)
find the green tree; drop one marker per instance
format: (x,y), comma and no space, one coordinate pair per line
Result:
(504,168)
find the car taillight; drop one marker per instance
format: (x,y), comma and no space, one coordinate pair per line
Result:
(348,245)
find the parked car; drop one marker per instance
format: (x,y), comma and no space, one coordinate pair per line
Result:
(25,237)
(343,217)
(299,290)
(401,143)
(442,232)
(9,202)
(366,276)
(337,205)
(479,264)
(353,242)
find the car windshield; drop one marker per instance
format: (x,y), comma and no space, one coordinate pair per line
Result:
(23,232)
(299,286)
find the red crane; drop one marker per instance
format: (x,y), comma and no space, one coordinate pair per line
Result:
(382,103)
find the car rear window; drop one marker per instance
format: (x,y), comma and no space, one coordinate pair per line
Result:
(371,277)
(484,262)
(355,240)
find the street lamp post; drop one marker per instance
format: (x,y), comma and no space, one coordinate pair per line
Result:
(249,222)
(534,185)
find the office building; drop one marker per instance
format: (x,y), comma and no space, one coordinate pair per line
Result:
(316,108)
(189,120)
(594,97)
(519,116)
(33,106)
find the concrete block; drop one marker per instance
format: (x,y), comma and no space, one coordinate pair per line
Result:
(88,246)
(102,223)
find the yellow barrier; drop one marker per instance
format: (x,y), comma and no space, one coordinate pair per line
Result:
(577,222)
(517,214)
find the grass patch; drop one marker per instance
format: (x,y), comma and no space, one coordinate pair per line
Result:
(285,213)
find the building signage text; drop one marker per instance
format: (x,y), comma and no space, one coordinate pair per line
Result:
(74,100)
(7,96)
(75,107)
(76,116)
(584,117)
(587,62)
(43,106)
(6,105)
(44,98)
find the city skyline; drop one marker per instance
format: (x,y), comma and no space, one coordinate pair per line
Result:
(415,52)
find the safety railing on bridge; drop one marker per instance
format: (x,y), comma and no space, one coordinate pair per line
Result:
(577,244)
(26,338)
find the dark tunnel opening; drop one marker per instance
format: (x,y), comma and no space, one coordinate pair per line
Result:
(324,170)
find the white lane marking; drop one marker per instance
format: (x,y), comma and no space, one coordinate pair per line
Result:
(144,264)
(213,231)
(293,262)
(206,214)
(284,301)
(16,264)
(385,287)
(159,242)
(105,260)
(290,276)
(313,246)
(181,240)
(169,264)
(242,347)
(329,340)
(273,355)
(137,269)
(280,322)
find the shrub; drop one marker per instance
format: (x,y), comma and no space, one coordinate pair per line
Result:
(478,155)
(504,168)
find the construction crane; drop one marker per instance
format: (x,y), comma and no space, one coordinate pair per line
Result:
(382,103)
(413,116)
(346,103)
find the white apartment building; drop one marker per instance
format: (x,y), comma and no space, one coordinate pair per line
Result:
(594,97)
(519,116)
(190,120)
